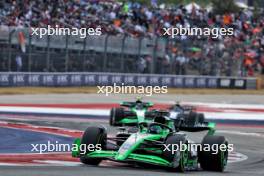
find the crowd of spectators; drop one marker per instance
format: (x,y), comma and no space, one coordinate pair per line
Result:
(239,55)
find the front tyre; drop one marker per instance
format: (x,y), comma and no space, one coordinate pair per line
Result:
(93,136)
(214,160)
(178,158)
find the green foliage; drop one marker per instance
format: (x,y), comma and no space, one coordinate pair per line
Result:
(257,9)
(221,7)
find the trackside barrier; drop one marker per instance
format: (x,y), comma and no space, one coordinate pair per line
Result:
(14,79)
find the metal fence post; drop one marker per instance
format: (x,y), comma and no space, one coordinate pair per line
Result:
(9,49)
(84,58)
(154,55)
(105,53)
(29,52)
(48,54)
(67,54)
(122,54)
(139,46)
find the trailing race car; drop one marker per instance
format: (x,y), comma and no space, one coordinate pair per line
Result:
(187,112)
(131,113)
(156,143)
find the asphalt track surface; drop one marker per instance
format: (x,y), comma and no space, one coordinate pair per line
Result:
(248,141)
(28,138)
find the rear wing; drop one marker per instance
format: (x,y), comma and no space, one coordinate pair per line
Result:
(182,107)
(188,108)
(206,126)
(133,104)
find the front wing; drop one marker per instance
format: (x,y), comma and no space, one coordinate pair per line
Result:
(141,158)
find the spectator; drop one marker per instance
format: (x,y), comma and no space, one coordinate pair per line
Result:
(136,20)
(262,64)
(248,66)
(180,64)
(141,65)
(19,63)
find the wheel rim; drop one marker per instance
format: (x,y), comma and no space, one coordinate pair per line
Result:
(224,155)
(183,160)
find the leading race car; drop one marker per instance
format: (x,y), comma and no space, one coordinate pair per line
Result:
(131,113)
(187,112)
(156,143)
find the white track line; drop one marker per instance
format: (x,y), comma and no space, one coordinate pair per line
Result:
(54,110)
(227,105)
(241,133)
(104,112)
(235,157)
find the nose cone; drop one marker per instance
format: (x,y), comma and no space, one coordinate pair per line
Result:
(128,147)
(120,157)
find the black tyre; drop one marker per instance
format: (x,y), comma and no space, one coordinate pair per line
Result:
(213,160)
(201,118)
(177,158)
(94,136)
(112,117)
(116,114)
(191,119)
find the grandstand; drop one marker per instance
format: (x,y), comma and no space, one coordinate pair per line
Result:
(131,40)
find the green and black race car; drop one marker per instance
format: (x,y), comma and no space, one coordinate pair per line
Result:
(156,143)
(131,113)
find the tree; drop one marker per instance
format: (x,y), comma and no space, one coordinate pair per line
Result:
(221,7)
(257,8)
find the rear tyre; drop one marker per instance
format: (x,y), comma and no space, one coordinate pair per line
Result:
(116,114)
(201,118)
(191,119)
(213,160)
(94,136)
(177,158)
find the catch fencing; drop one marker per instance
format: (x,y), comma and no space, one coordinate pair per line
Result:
(110,53)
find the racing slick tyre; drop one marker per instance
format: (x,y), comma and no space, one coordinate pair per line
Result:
(116,114)
(191,119)
(201,118)
(213,160)
(93,136)
(177,158)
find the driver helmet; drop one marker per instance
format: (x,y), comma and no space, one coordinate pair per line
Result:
(155,129)
(178,103)
(139,100)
